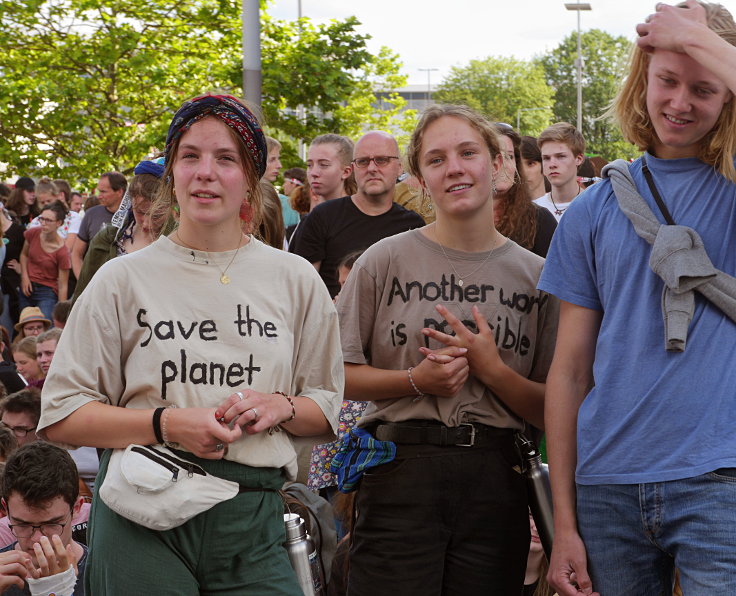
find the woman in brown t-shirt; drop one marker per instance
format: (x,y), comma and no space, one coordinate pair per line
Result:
(444,331)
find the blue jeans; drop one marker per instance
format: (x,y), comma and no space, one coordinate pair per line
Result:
(637,534)
(42,296)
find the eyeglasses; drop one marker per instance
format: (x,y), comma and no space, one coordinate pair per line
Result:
(18,431)
(46,219)
(379,160)
(34,327)
(27,530)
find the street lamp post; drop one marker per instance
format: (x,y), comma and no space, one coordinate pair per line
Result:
(251,16)
(429,86)
(578,6)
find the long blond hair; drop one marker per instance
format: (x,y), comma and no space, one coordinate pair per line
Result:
(629,107)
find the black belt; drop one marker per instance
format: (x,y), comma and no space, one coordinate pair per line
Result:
(423,432)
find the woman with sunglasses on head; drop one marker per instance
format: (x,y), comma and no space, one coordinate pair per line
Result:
(444,332)
(515,216)
(203,341)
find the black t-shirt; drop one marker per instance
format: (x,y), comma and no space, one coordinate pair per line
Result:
(336,228)
(10,378)
(13,239)
(546,226)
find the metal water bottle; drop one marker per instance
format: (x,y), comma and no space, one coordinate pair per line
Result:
(303,556)
(540,493)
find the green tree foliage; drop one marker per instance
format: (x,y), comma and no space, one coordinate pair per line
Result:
(501,89)
(328,70)
(90,85)
(604,66)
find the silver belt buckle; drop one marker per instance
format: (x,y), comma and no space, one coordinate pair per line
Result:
(471,442)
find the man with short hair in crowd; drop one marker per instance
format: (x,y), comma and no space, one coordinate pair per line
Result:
(20,413)
(60,314)
(110,192)
(563,150)
(46,347)
(40,489)
(338,227)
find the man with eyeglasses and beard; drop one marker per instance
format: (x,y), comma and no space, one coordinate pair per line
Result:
(41,497)
(338,227)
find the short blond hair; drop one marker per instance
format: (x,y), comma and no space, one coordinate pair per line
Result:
(563,132)
(629,107)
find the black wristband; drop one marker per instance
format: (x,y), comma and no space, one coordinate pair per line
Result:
(157,425)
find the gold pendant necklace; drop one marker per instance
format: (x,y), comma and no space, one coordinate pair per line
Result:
(460,279)
(224,277)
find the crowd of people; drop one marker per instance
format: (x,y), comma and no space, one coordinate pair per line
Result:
(382,327)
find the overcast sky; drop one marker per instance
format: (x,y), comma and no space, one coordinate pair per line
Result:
(457,31)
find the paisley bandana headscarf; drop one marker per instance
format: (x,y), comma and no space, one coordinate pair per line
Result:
(154,167)
(233,113)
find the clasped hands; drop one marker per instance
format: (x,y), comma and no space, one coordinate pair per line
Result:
(206,432)
(444,371)
(51,555)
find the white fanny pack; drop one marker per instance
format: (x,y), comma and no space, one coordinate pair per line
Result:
(153,487)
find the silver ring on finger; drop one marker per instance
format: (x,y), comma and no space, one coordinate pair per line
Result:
(255,414)
(219,447)
(240,395)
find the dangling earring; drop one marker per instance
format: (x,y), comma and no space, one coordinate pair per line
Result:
(246,211)
(493,185)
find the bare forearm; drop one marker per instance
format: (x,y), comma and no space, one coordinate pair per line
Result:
(713,52)
(101,425)
(367,383)
(309,419)
(524,397)
(63,286)
(23,264)
(569,380)
(561,410)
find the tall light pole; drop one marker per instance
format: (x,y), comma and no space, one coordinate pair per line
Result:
(429,72)
(578,6)
(251,15)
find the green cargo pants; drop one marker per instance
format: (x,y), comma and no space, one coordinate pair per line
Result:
(235,548)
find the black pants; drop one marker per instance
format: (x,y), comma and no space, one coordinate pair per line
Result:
(441,521)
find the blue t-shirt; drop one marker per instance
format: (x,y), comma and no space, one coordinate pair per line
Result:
(25,591)
(653,415)
(291,217)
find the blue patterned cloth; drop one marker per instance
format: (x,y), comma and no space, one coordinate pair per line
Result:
(359,451)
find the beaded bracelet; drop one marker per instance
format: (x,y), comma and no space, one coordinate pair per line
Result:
(420,395)
(164,434)
(277,428)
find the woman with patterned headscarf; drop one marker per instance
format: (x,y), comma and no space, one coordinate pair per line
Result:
(132,227)
(204,342)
